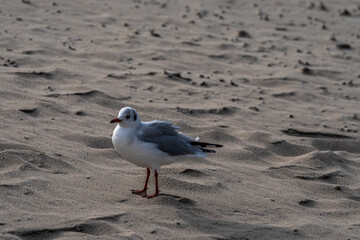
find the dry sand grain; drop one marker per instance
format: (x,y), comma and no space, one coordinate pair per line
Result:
(275,82)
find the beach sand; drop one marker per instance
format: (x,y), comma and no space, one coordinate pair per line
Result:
(276,82)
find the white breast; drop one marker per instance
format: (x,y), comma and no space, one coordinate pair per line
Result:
(138,152)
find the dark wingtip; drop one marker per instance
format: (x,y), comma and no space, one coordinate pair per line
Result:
(208,150)
(203,144)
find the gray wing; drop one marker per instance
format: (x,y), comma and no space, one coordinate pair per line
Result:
(168,140)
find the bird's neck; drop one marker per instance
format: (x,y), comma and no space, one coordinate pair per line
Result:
(131,130)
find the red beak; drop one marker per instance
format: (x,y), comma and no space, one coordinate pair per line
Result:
(115,120)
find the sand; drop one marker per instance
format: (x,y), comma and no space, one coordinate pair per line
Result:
(276,82)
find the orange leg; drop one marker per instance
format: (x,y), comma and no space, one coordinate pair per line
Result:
(143,192)
(156,186)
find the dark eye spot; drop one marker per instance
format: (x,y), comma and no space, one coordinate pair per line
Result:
(135,117)
(127,116)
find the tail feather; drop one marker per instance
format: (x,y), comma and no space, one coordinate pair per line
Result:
(202,145)
(208,150)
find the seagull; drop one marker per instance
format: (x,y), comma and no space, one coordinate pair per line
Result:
(153,144)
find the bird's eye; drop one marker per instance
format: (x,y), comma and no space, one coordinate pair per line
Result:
(127,116)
